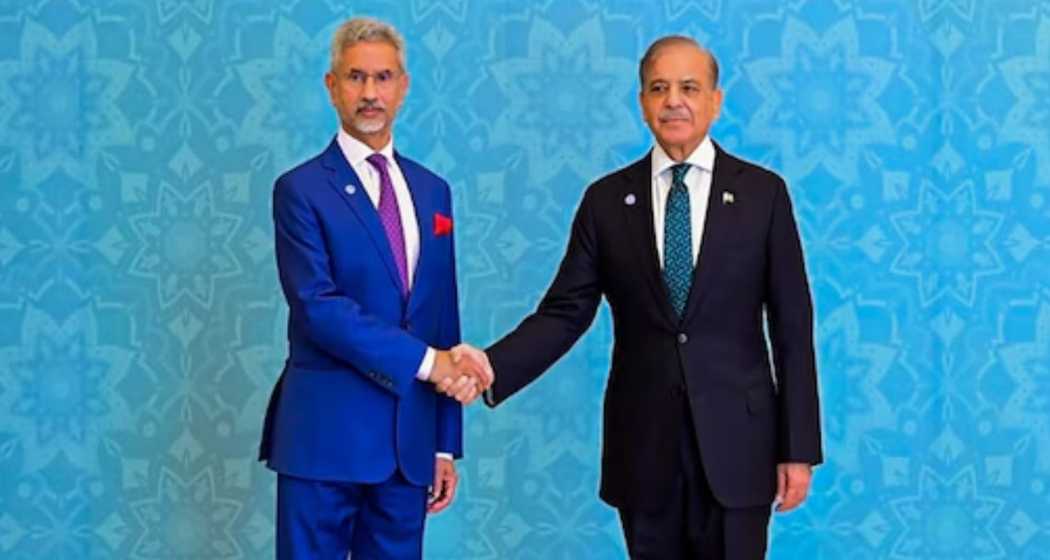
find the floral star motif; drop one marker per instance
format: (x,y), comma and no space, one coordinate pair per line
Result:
(62,387)
(186,519)
(948,519)
(566,100)
(186,245)
(59,102)
(948,243)
(820,99)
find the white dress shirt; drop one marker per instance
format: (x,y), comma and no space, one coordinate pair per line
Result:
(356,153)
(698,183)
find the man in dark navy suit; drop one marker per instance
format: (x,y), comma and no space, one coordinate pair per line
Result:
(696,252)
(365,417)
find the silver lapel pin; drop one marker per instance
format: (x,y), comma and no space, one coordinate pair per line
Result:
(727,197)
(629,200)
(350,189)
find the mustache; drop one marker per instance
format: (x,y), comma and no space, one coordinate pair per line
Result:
(371,104)
(672,114)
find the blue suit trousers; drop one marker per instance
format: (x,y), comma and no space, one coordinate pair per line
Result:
(322,520)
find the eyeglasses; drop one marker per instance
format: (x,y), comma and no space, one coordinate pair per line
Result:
(384,79)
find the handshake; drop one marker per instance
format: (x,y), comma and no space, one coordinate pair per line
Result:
(462,373)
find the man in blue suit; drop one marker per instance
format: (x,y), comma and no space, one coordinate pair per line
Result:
(365,416)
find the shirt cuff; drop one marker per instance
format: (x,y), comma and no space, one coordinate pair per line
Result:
(443,455)
(427,365)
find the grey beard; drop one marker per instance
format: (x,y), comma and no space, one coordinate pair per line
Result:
(367,126)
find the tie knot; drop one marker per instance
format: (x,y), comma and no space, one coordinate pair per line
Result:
(378,161)
(678,173)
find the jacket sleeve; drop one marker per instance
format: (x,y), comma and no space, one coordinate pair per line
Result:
(563,315)
(449,411)
(789,310)
(333,321)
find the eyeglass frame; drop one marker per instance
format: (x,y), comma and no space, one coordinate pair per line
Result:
(384,79)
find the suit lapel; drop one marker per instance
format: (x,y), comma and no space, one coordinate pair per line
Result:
(717,226)
(425,208)
(639,216)
(348,185)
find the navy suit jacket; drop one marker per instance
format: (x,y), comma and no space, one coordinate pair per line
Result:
(750,274)
(348,406)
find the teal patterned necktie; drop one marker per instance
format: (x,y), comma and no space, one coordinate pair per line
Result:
(678,241)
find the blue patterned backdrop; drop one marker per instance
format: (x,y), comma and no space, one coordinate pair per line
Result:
(141,325)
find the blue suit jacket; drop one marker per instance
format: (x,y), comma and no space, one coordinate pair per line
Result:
(348,406)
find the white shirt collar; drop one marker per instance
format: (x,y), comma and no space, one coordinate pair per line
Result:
(703,157)
(356,151)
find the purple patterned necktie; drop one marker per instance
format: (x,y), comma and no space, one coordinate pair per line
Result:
(390,215)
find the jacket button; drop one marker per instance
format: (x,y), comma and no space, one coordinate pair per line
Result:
(683,338)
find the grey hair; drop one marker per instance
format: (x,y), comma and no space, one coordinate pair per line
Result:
(672,40)
(365,29)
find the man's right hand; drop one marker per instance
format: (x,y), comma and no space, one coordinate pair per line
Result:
(462,373)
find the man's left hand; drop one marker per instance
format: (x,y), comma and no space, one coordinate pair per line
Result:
(444,489)
(793,481)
